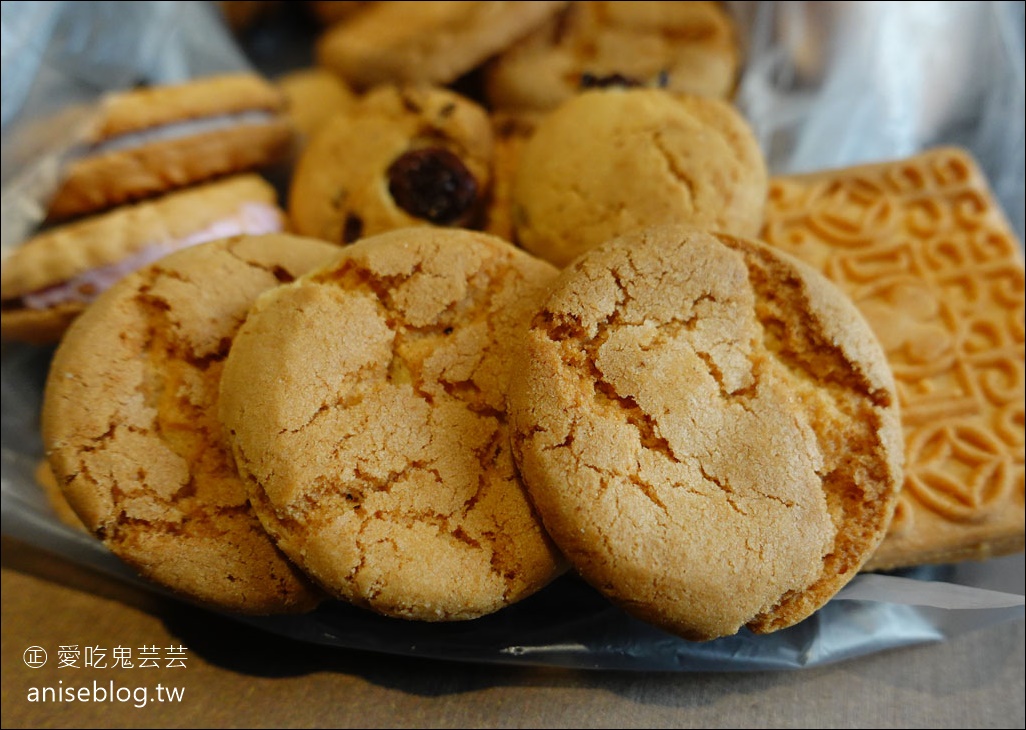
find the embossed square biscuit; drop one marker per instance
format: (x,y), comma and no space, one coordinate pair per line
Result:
(930,260)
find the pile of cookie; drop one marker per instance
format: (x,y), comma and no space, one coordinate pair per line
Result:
(563,321)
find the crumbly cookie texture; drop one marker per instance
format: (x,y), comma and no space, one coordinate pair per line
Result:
(130,427)
(689,47)
(708,429)
(424,42)
(402,156)
(44,478)
(611,160)
(924,251)
(365,405)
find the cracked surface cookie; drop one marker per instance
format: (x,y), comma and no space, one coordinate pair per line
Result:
(708,429)
(611,160)
(130,425)
(365,405)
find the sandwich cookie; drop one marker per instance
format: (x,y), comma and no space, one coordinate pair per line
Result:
(156,139)
(130,428)
(51,278)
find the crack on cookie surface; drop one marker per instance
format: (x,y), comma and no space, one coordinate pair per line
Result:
(844,408)
(747,344)
(681,175)
(447,350)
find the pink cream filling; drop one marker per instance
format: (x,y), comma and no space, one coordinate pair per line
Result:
(250,219)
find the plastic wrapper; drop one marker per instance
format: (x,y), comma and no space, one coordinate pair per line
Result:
(824,85)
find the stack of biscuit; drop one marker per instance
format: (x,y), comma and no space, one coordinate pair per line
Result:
(158,169)
(534,304)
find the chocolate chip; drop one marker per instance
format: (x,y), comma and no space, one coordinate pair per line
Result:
(591,81)
(432,183)
(352,229)
(282,274)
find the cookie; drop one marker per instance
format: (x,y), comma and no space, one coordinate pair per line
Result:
(511,132)
(424,42)
(130,429)
(43,476)
(708,430)
(611,160)
(365,406)
(51,278)
(688,47)
(242,15)
(400,157)
(313,95)
(927,255)
(160,138)
(330,12)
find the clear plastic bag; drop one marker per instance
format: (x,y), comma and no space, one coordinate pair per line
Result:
(824,85)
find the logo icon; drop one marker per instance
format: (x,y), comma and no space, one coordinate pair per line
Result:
(34,657)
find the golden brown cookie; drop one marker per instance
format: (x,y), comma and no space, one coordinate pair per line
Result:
(424,42)
(130,427)
(691,47)
(611,160)
(926,254)
(51,278)
(365,405)
(330,12)
(400,157)
(708,429)
(511,133)
(44,477)
(156,139)
(313,96)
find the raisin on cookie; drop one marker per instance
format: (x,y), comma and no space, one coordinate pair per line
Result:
(402,156)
